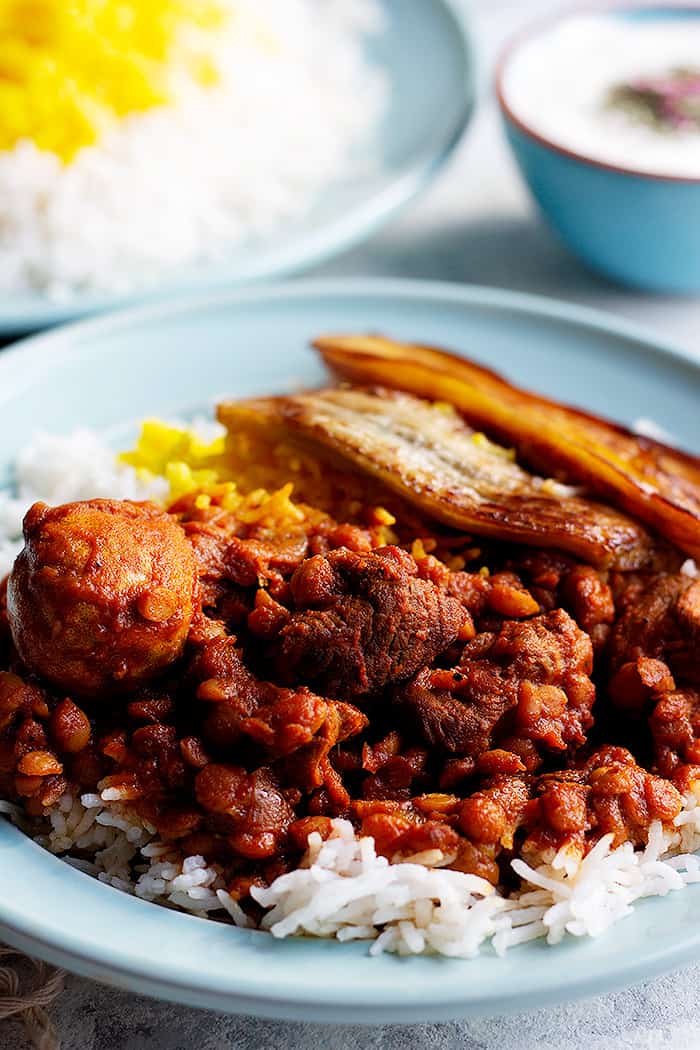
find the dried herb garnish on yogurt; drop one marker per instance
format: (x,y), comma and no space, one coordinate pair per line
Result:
(667,103)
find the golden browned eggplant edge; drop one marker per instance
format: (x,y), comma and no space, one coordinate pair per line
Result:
(435,463)
(654,483)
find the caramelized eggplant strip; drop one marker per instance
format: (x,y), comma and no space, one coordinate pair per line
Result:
(655,483)
(430,457)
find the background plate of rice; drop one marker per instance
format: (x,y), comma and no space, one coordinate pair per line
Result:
(368,102)
(173,361)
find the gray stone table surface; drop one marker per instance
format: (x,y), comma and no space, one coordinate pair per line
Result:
(475,224)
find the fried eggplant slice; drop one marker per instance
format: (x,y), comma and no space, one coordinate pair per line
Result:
(655,483)
(429,456)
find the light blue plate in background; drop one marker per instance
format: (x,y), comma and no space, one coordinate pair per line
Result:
(174,359)
(428,58)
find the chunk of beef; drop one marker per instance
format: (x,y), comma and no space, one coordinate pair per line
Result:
(675,729)
(458,712)
(362,621)
(279,720)
(559,581)
(249,808)
(524,689)
(226,562)
(662,623)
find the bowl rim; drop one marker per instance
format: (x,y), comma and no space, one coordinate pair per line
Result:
(542,24)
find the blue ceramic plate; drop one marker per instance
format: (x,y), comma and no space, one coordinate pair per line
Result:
(428,59)
(171,359)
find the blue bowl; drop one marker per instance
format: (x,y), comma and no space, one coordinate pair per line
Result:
(640,229)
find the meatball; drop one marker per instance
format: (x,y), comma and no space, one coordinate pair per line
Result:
(102,596)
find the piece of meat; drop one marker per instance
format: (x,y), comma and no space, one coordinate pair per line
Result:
(675,729)
(455,712)
(361,622)
(525,688)
(279,720)
(429,457)
(101,597)
(252,811)
(662,623)
(557,581)
(396,772)
(657,484)
(231,557)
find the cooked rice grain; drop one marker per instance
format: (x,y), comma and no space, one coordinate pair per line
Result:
(344,890)
(62,468)
(192,181)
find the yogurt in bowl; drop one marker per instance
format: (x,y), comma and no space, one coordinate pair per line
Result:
(602,110)
(623,90)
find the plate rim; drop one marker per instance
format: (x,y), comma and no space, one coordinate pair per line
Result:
(593,319)
(316,1005)
(339,234)
(51,348)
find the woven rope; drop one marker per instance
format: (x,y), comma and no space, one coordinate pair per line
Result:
(27,987)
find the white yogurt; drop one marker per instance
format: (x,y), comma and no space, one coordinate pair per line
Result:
(558,84)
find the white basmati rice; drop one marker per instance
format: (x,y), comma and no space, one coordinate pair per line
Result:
(186,183)
(123,851)
(58,470)
(344,890)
